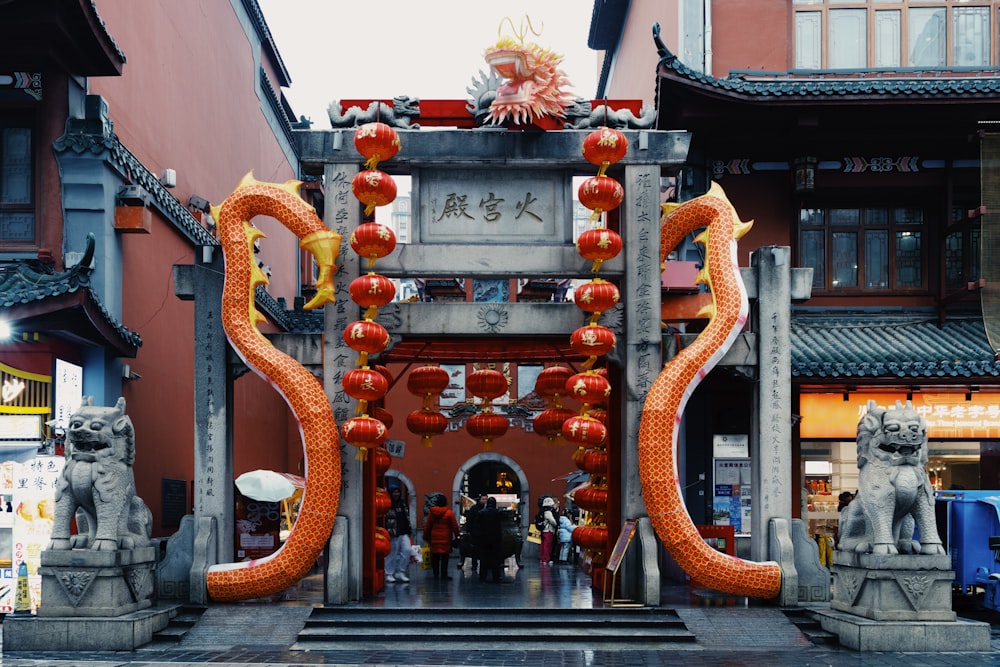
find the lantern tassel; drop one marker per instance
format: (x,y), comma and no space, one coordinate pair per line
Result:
(426,441)
(589,363)
(362,359)
(487,445)
(596,266)
(595,215)
(362,407)
(362,454)
(372,162)
(370,208)
(371,313)
(604,168)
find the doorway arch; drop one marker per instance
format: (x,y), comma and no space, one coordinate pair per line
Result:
(493,457)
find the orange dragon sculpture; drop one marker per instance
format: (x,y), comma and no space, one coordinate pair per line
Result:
(665,402)
(303,392)
(535,84)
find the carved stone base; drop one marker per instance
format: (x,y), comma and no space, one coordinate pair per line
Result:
(80,582)
(893,588)
(862,634)
(122,633)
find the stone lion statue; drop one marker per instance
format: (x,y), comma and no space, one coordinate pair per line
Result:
(97,484)
(894,492)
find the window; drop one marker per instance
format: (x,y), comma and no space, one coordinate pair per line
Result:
(962,250)
(864,34)
(868,249)
(17,208)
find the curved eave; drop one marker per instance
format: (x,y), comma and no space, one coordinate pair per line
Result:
(66,36)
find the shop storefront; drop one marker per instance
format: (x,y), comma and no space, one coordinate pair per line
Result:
(957,425)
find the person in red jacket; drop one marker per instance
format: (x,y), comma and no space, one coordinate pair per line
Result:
(440,527)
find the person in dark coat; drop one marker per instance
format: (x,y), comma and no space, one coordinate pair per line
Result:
(440,528)
(490,524)
(472,534)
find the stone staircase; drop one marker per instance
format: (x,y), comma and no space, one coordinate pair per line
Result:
(187,617)
(805,620)
(330,628)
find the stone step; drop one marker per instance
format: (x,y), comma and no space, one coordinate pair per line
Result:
(807,623)
(329,628)
(186,618)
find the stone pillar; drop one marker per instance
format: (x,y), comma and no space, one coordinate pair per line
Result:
(214,497)
(343,215)
(770,443)
(642,357)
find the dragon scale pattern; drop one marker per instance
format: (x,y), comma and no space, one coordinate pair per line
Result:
(669,394)
(303,392)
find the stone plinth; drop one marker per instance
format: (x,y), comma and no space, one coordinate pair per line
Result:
(893,588)
(122,633)
(863,634)
(84,583)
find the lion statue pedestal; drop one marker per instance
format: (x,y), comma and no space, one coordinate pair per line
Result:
(892,585)
(97,584)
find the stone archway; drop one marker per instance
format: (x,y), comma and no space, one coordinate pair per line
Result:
(493,457)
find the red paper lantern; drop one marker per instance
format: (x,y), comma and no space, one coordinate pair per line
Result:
(592,340)
(373,188)
(372,290)
(366,336)
(596,296)
(600,414)
(487,426)
(601,193)
(551,382)
(383,543)
(377,142)
(594,538)
(381,459)
(383,502)
(363,432)
(584,431)
(373,240)
(382,415)
(549,422)
(427,381)
(595,461)
(589,388)
(592,499)
(599,244)
(487,384)
(605,146)
(365,384)
(426,424)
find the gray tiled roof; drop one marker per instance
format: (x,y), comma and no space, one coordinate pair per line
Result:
(890,347)
(24,284)
(806,86)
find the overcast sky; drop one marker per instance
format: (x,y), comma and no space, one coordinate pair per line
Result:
(429,50)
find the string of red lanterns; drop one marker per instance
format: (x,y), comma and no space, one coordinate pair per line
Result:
(486,425)
(370,240)
(601,194)
(427,382)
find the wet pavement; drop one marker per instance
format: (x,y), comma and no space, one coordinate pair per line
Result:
(728,631)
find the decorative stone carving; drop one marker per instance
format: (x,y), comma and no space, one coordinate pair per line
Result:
(97,484)
(106,569)
(403,112)
(894,492)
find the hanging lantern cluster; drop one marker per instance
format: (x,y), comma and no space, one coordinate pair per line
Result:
(551,385)
(486,425)
(598,244)
(427,382)
(368,429)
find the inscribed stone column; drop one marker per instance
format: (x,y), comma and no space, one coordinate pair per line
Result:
(343,215)
(213,445)
(641,302)
(772,442)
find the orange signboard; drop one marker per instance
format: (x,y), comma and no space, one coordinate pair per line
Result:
(948,415)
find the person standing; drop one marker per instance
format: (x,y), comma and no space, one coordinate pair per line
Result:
(549,527)
(565,535)
(472,534)
(490,525)
(440,528)
(397,523)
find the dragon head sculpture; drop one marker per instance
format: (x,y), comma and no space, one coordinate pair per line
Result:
(533,86)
